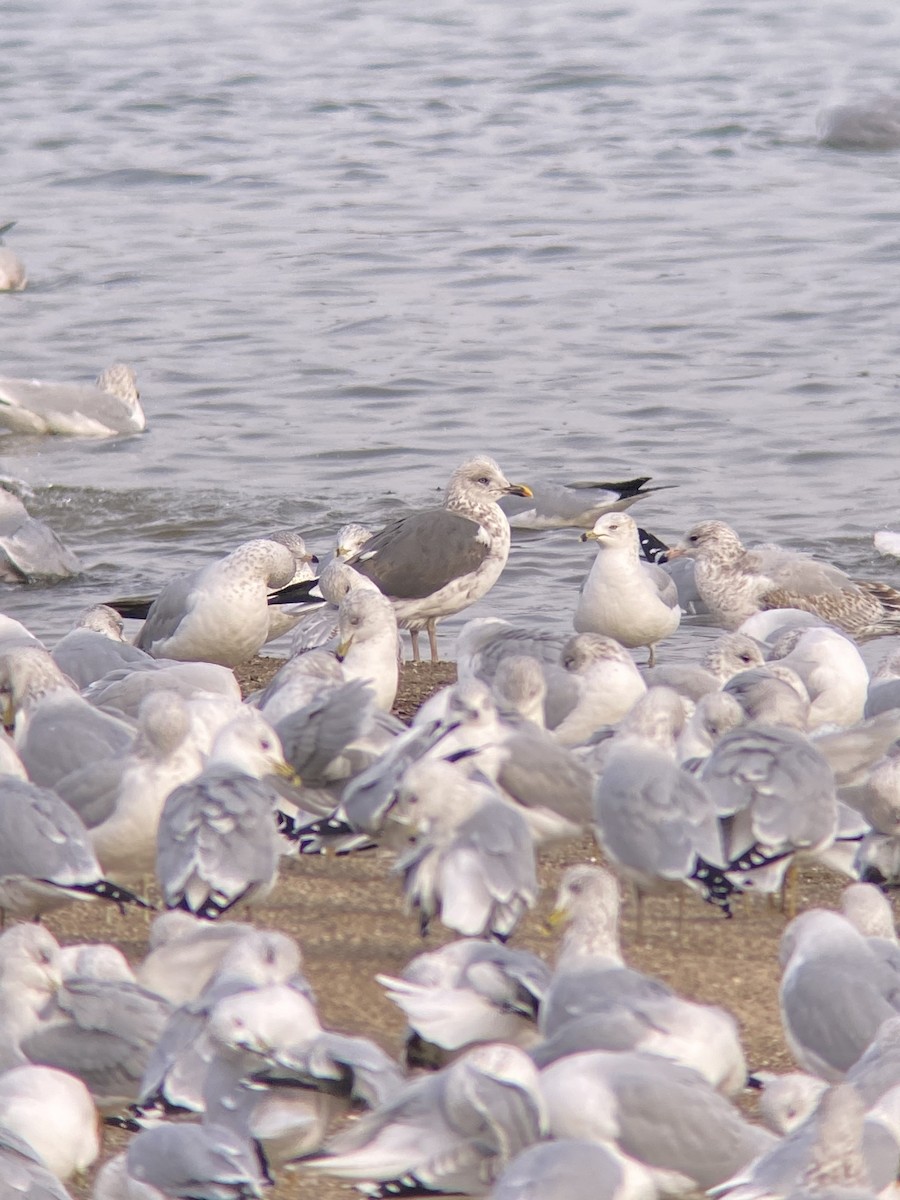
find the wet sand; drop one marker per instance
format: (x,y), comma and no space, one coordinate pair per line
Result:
(346,915)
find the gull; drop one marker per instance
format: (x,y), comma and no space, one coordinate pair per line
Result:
(163,756)
(279,1078)
(218,614)
(772,695)
(715,714)
(23,1173)
(318,600)
(109,407)
(774,792)
(660,1113)
(834,1152)
(728,656)
(281,619)
(453,1131)
(484,642)
(46,857)
(54,1113)
(102,1031)
(184,952)
(436,562)
(196,1160)
(833,672)
(469,991)
(655,821)
(29,550)
(632,601)
(13,277)
(595,1002)
(121,692)
(870,124)
(473,864)
(868,909)
(574,505)
(218,843)
(519,688)
(95,647)
(735,583)
(175,1071)
(608,681)
(572,1169)
(369,644)
(836,990)
(55,730)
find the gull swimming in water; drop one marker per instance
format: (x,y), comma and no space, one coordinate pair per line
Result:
(29,549)
(13,277)
(735,583)
(623,597)
(574,505)
(436,562)
(109,407)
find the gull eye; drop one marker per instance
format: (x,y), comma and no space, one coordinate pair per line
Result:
(484,481)
(693,538)
(265,744)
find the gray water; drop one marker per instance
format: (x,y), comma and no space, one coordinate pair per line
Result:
(346,244)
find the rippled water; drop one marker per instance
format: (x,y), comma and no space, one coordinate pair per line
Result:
(344,245)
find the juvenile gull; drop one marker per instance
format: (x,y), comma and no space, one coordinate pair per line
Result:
(436,562)
(632,601)
(218,614)
(574,505)
(282,619)
(13,277)
(735,583)
(29,549)
(109,407)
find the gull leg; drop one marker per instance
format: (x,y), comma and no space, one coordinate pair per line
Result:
(414,640)
(639,905)
(789,891)
(651,661)
(431,626)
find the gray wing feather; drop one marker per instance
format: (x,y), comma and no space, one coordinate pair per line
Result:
(61,737)
(168,610)
(313,736)
(420,554)
(41,837)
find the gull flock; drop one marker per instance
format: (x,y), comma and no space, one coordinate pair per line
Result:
(133,768)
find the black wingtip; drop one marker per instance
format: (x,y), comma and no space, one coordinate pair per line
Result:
(136,607)
(754,858)
(103,889)
(653,549)
(717,887)
(297,593)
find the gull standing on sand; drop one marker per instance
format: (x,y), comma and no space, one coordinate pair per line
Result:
(735,583)
(369,644)
(110,406)
(219,613)
(434,563)
(218,842)
(623,597)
